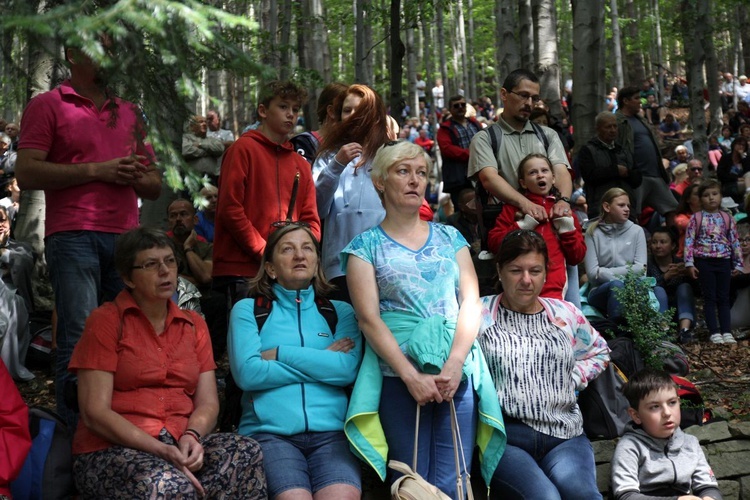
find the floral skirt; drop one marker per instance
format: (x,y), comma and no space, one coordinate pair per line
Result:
(232,468)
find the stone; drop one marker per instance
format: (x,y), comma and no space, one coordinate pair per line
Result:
(603,472)
(740,430)
(603,450)
(718,431)
(729,458)
(730,490)
(745,488)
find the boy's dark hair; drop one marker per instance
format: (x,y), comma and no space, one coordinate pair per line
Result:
(284,89)
(644,383)
(708,184)
(626,93)
(455,98)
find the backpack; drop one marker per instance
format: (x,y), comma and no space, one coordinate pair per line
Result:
(603,406)
(306,144)
(692,408)
(488,207)
(230,420)
(47,472)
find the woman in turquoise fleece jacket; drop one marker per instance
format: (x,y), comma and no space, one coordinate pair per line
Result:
(294,372)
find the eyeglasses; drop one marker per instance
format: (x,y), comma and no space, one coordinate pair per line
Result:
(525,96)
(459,105)
(697,169)
(155,265)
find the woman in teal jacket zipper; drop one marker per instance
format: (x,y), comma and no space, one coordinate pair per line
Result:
(294,372)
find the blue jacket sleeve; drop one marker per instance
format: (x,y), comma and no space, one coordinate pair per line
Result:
(330,367)
(250,371)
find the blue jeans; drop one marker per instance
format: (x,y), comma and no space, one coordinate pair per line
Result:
(537,466)
(605,300)
(83,275)
(435,460)
(684,302)
(310,461)
(713,277)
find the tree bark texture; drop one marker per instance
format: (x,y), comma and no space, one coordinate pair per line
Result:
(397,59)
(588,70)
(547,65)
(526,34)
(694,32)
(616,45)
(636,69)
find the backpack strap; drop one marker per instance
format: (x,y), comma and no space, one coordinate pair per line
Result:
(262,310)
(541,135)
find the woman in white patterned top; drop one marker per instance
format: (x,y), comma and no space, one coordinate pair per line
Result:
(540,352)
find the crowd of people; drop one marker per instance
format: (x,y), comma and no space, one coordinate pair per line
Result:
(360,326)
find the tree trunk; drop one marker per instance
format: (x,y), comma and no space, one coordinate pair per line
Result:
(285,62)
(694,32)
(314,55)
(526,34)
(659,62)
(547,66)
(616,45)
(461,57)
(636,69)
(439,11)
(359,43)
(427,43)
(743,15)
(397,58)
(506,46)
(714,100)
(471,60)
(411,72)
(588,67)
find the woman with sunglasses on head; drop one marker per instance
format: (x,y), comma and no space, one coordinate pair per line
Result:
(347,201)
(547,456)
(147,392)
(294,367)
(415,291)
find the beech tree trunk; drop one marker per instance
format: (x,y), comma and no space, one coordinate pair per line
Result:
(547,66)
(506,46)
(588,67)
(471,60)
(526,34)
(439,20)
(285,55)
(397,59)
(411,72)
(616,45)
(314,55)
(694,32)
(636,68)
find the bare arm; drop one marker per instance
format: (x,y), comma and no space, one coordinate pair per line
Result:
(422,387)
(34,172)
(200,269)
(467,325)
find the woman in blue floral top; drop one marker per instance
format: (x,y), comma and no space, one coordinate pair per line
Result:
(416,297)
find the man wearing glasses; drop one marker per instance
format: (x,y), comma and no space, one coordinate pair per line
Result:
(695,176)
(454,137)
(498,170)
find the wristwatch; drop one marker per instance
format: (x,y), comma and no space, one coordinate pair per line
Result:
(189,249)
(565,199)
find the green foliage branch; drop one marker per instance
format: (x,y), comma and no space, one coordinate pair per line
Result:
(648,328)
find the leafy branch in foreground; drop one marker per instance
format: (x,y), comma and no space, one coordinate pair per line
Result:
(647,327)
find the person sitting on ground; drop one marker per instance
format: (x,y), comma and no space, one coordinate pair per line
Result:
(424,141)
(563,235)
(547,455)
(614,247)
(679,175)
(294,375)
(16,300)
(690,203)
(739,292)
(14,432)
(206,217)
(694,176)
(672,276)
(681,155)
(195,256)
(714,151)
(670,128)
(732,169)
(726,139)
(654,458)
(147,392)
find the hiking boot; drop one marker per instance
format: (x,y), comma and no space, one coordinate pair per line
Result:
(685,336)
(728,338)
(717,338)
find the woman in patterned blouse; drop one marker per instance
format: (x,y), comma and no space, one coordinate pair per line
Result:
(540,352)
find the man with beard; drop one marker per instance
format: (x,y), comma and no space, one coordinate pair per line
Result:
(85,148)
(195,255)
